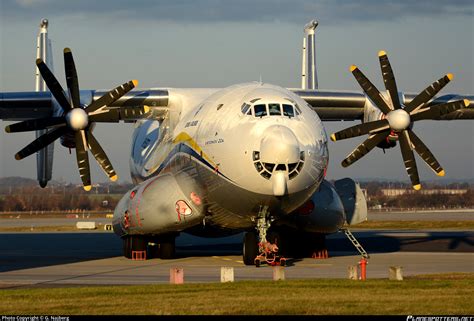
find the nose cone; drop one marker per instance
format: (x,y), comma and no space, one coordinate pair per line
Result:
(279,145)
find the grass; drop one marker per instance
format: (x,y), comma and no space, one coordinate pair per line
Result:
(439,294)
(416,225)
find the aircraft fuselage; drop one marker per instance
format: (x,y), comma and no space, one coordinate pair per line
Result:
(240,149)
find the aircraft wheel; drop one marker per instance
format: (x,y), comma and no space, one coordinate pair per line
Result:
(127,250)
(167,249)
(250,248)
(154,251)
(138,243)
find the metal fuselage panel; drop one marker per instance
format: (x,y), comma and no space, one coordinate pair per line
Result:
(210,139)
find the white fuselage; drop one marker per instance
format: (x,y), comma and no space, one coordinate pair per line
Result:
(248,145)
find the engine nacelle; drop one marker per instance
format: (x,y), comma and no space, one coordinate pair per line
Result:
(322,213)
(159,205)
(353,200)
(373,113)
(330,208)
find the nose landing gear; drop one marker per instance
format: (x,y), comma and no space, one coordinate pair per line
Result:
(267,252)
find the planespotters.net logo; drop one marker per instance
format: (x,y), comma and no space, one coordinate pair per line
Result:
(434,318)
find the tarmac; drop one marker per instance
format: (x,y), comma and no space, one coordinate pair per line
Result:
(94,258)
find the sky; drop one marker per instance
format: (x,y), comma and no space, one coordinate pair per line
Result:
(217,43)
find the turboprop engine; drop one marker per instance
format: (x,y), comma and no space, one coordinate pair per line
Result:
(330,208)
(159,205)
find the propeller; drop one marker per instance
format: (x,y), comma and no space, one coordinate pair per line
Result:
(76,119)
(397,120)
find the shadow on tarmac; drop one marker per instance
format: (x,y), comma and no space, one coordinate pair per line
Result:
(24,250)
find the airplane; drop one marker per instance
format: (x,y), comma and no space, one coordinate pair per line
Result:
(214,162)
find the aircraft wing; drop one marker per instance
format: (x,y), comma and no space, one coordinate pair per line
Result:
(32,105)
(340,105)
(330,105)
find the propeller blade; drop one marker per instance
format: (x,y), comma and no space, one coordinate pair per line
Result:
(389,79)
(110,97)
(437,111)
(364,148)
(372,92)
(425,153)
(71,78)
(83,159)
(409,159)
(361,129)
(35,124)
(53,85)
(425,96)
(41,142)
(101,157)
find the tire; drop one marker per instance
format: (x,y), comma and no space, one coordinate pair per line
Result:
(153,251)
(167,249)
(138,243)
(250,248)
(127,250)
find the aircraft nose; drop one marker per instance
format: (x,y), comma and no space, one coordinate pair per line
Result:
(279,145)
(279,148)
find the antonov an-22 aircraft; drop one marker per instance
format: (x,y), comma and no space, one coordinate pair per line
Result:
(220,161)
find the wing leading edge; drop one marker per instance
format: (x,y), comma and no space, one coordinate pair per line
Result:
(339,105)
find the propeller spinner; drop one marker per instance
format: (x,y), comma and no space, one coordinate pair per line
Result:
(398,119)
(75,119)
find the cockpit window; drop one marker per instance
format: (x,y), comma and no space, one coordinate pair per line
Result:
(297,109)
(288,110)
(274,109)
(260,110)
(245,108)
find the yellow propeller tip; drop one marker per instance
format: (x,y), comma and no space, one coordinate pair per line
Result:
(353,67)
(87,187)
(114,178)
(146,109)
(135,82)
(466,102)
(38,61)
(382,53)
(417,187)
(333,137)
(450,76)
(7,129)
(17,156)
(67,50)
(441,173)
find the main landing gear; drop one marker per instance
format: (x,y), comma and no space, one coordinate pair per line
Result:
(162,247)
(262,250)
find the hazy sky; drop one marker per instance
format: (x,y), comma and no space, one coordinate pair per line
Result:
(216,43)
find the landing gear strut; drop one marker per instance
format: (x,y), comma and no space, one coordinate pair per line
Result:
(267,252)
